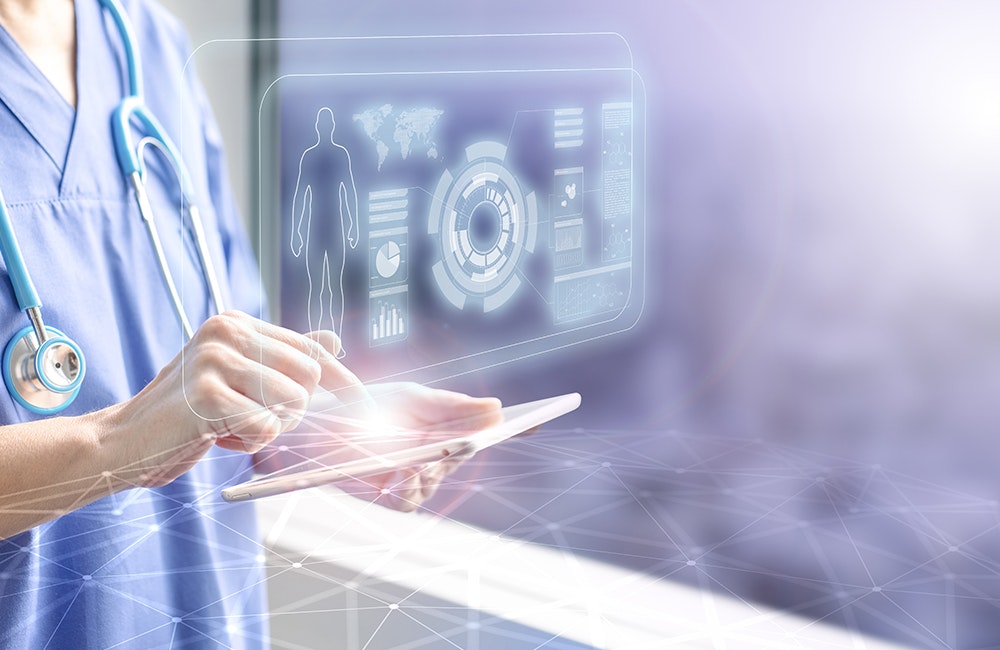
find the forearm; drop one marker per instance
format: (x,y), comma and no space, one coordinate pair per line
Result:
(238,384)
(54,466)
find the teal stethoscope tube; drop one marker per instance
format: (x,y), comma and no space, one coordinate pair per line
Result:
(133,60)
(24,288)
(134,107)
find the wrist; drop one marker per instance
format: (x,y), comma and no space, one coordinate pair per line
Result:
(111,449)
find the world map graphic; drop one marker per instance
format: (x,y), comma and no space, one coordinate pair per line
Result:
(408,130)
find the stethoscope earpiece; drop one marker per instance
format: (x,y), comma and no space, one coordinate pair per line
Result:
(44,378)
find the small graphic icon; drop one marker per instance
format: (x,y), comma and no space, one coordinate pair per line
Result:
(568,132)
(568,235)
(387,309)
(325,223)
(387,259)
(567,191)
(400,131)
(484,224)
(570,192)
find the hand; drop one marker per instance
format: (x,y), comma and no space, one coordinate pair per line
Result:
(237,384)
(332,433)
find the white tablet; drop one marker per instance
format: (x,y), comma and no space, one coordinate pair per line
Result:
(447,439)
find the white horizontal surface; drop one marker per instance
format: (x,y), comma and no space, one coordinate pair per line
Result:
(347,544)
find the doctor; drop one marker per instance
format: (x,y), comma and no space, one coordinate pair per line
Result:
(86,559)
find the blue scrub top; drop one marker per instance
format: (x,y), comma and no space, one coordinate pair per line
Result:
(170,567)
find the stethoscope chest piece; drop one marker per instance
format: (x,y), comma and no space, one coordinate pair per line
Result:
(43,378)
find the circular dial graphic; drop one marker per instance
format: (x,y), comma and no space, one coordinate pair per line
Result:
(387,259)
(484,224)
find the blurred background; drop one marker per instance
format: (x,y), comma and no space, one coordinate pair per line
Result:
(806,414)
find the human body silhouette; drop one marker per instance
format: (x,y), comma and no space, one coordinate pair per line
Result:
(325,222)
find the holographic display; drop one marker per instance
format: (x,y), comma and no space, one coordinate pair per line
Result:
(502,197)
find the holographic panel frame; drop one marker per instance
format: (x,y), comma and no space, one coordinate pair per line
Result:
(502,175)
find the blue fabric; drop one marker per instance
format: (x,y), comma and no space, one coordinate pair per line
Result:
(171,567)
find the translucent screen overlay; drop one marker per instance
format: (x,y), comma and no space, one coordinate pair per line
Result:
(446,204)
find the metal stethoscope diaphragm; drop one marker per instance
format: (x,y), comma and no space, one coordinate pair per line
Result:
(43,378)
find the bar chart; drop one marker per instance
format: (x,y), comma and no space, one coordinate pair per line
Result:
(387,311)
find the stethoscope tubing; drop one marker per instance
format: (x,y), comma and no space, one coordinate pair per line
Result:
(133,56)
(133,108)
(24,288)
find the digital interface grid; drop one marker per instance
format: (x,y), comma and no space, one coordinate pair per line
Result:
(760,521)
(854,544)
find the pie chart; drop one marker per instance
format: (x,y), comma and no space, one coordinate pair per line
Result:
(387,259)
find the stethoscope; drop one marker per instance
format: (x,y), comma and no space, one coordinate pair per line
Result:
(42,367)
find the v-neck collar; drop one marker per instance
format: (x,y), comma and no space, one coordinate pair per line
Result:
(35,102)
(98,90)
(78,143)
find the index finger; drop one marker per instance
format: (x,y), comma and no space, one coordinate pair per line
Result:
(336,377)
(323,347)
